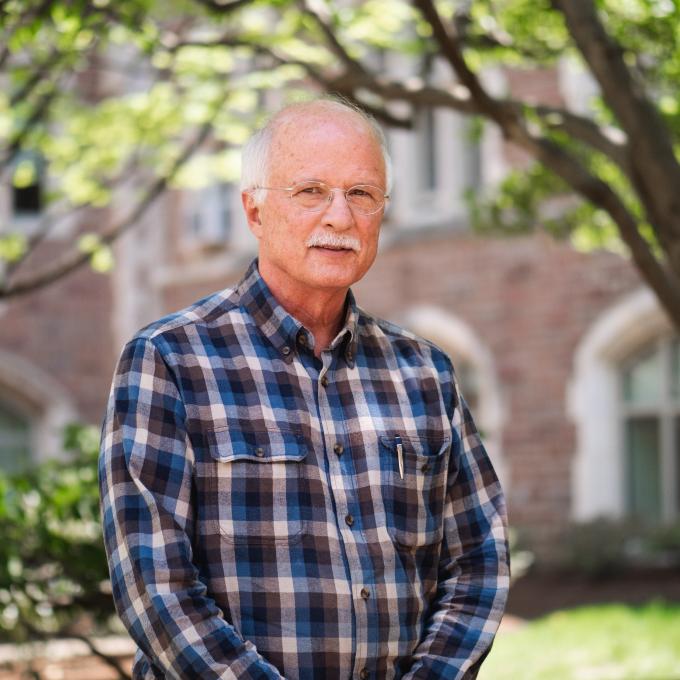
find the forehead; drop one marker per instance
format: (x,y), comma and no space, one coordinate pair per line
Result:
(337,148)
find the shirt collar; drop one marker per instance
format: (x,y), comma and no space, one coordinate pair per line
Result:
(282,329)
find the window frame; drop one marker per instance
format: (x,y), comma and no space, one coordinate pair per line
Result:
(666,411)
(26,436)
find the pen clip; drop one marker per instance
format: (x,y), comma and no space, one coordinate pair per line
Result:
(400,455)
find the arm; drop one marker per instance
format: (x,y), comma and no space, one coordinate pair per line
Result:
(145,469)
(473,567)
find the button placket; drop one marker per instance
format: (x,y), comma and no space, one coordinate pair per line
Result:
(343,492)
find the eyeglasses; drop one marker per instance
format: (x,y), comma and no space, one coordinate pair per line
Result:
(313,196)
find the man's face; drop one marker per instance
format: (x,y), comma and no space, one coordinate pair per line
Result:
(336,149)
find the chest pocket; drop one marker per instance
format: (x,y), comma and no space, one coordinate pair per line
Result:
(414,504)
(259,484)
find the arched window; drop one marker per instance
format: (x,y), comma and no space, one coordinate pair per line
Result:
(475,371)
(15,435)
(468,378)
(624,399)
(34,410)
(650,411)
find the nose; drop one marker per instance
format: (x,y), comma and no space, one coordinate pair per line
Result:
(338,214)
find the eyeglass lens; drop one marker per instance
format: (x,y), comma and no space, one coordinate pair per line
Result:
(365,198)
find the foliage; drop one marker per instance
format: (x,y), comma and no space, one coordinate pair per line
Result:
(98,110)
(604,547)
(53,571)
(520,558)
(603,173)
(607,642)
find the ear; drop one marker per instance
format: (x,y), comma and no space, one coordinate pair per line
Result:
(252,211)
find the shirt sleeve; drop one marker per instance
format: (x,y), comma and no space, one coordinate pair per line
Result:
(145,469)
(474,563)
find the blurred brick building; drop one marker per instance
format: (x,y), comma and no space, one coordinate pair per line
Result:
(571,368)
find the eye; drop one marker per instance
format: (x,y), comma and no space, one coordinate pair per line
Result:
(311,189)
(359,192)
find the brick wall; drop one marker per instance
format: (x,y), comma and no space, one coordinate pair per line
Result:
(530,299)
(64,331)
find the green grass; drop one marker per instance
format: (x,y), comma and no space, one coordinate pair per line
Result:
(607,642)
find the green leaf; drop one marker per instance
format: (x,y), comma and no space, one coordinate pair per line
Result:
(12,247)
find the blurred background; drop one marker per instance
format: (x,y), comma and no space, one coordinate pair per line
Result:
(533,233)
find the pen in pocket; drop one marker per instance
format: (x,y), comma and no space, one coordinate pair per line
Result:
(400,455)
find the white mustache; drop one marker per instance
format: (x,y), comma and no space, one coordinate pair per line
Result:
(324,240)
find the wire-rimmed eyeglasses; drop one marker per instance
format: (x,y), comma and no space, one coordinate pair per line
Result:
(313,196)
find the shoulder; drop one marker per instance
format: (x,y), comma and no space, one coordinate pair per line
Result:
(403,343)
(178,331)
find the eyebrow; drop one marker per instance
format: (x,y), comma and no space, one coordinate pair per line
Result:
(323,181)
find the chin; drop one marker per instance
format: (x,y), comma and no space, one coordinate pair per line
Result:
(336,277)
(330,281)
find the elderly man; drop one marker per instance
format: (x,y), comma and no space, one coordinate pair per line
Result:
(291,487)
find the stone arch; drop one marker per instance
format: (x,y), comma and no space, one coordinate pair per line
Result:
(593,401)
(456,336)
(39,398)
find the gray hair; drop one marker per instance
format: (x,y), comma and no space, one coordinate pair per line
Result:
(255,153)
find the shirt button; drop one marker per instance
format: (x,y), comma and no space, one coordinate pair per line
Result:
(365,674)
(285,351)
(426,467)
(259,451)
(338,448)
(302,339)
(350,358)
(365,594)
(349,520)
(324,381)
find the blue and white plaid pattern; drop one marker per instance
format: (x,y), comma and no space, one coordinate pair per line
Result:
(257,520)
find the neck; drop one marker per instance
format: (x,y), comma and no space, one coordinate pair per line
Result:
(322,311)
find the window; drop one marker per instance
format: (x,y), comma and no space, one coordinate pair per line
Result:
(15,433)
(427,146)
(211,215)
(27,184)
(650,407)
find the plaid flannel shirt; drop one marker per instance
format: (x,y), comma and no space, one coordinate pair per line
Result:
(270,514)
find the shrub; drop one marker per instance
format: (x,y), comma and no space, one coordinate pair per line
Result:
(603,547)
(53,573)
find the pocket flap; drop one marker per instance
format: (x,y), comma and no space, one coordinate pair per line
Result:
(420,447)
(259,446)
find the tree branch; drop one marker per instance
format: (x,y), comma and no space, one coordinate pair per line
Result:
(335,45)
(37,77)
(663,281)
(598,192)
(37,114)
(611,142)
(655,169)
(451,50)
(344,84)
(73,259)
(109,660)
(49,221)
(27,16)
(223,8)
